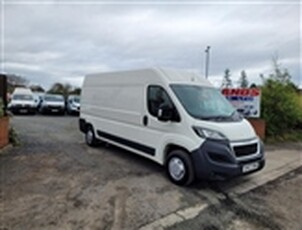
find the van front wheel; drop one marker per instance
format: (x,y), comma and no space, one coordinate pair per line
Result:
(90,137)
(180,168)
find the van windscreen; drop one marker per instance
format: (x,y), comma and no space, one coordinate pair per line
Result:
(23,97)
(205,103)
(54,98)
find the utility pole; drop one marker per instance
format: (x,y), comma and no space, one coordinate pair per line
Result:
(207,60)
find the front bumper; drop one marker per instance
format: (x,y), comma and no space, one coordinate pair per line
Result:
(22,109)
(74,110)
(216,160)
(47,109)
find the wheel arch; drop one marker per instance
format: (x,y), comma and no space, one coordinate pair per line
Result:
(84,125)
(171,147)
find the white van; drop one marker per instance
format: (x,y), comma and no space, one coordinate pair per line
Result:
(174,118)
(22,101)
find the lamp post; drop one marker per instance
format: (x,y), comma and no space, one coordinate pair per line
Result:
(207,60)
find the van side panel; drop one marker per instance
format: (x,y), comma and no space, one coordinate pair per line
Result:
(114,103)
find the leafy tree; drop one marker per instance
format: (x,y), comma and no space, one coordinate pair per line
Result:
(227,81)
(37,88)
(14,81)
(279,74)
(280,106)
(243,81)
(253,85)
(76,91)
(59,88)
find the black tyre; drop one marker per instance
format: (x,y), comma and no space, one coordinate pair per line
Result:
(68,111)
(90,137)
(180,168)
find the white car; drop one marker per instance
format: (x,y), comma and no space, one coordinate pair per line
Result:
(175,118)
(52,103)
(22,102)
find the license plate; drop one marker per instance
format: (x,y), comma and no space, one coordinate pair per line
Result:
(54,110)
(23,110)
(250,167)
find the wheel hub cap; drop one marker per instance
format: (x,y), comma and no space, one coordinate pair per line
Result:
(89,136)
(176,168)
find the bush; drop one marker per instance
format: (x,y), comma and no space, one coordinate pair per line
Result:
(1,108)
(280,107)
(13,137)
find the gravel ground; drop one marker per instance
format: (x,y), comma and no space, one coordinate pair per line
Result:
(54,181)
(276,205)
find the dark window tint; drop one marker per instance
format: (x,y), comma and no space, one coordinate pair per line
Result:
(54,98)
(157,96)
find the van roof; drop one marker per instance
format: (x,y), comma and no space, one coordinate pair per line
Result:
(148,75)
(22,91)
(182,76)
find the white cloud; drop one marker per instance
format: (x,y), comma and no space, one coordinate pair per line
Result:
(67,41)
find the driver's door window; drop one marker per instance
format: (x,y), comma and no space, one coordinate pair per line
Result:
(157,97)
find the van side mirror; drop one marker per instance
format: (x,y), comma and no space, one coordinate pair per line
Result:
(164,113)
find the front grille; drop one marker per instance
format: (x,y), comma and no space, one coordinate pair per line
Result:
(245,150)
(54,106)
(22,106)
(219,157)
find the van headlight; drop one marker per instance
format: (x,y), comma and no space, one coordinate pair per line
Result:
(208,133)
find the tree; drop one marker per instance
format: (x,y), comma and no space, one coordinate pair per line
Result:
(59,88)
(279,74)
(243,81)
(280,106)
(14,81)
(37,88)
(253,85)
(227,81)
(76,91)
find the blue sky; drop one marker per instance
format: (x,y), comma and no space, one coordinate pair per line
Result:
(50,41)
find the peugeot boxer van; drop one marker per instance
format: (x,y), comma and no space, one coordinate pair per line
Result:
(172,117)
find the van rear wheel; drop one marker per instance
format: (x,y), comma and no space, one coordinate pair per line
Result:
(90,137)
(180,168)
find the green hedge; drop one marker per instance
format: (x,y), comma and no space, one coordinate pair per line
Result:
(280,107)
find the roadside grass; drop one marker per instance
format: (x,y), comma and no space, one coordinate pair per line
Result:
(290,136)
(13,137)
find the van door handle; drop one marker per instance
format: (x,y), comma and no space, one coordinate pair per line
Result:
(145,120)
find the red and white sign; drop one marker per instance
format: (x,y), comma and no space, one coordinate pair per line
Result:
(246,101)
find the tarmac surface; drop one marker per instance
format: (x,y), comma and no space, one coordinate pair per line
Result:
(54,181)
(276,205)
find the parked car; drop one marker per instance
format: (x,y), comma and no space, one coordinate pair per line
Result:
(73,104)
(172,117)
(22,101)
(52,103)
